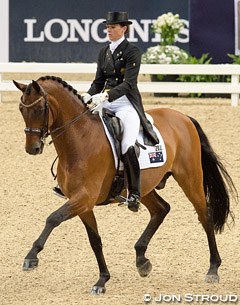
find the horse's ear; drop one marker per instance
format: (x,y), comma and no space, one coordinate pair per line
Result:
(20,86)
(38,88)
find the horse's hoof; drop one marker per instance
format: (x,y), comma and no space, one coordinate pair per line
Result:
(212,278)
(145,269)
(97,290)
(30,263)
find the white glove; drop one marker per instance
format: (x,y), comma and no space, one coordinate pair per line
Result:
(99,98)
(86,97)
(97,101)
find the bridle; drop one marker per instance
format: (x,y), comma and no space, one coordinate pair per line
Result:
(44,132)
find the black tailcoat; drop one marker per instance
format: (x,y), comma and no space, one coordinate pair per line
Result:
(117,73)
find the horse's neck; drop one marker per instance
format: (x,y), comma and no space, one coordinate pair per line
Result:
(66,108)
(63,108)
(79,138)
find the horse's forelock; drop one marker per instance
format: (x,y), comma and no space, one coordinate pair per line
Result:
(28,89)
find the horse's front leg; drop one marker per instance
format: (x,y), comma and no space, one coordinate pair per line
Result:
(89,221)
(54,220)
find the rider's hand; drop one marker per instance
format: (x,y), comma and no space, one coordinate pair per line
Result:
(86,97)
(99,98)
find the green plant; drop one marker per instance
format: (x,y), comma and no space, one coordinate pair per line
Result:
(235,59)
(203,60)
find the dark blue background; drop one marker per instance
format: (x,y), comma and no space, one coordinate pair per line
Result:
(76,9)
(212,29)
(211,26)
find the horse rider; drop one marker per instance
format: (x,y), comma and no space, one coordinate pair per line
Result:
(115,88)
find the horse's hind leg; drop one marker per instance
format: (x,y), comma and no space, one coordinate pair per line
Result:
(95,240)
(158,209)
(195,193)
(215,260)
(55,219)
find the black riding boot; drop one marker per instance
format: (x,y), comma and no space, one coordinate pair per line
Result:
(59,192)
(132,168)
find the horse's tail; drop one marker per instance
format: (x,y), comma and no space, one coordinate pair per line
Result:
(218,184)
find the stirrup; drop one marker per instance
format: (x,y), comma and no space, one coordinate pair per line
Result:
(57,191)
(133,202)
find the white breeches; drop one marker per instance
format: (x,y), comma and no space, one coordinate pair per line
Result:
(125,111)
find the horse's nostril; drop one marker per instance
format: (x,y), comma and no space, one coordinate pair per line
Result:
(35,149)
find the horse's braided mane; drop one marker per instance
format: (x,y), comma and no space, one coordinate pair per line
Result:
(62,82)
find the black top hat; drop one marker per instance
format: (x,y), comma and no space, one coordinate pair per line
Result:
(117,18)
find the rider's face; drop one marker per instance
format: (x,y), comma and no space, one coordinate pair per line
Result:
(115,31)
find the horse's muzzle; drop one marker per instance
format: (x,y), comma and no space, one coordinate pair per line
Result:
(35,148)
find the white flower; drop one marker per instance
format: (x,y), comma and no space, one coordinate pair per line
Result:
(164,55)
(168,26)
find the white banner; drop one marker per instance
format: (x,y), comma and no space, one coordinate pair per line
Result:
(4,30)
(237,26)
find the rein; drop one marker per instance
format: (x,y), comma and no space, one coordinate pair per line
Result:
(44,132)
(66,125)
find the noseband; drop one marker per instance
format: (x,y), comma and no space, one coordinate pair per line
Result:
(43,132)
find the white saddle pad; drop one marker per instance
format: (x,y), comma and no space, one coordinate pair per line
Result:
(152,156)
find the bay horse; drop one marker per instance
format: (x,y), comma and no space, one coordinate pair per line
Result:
(86,169)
